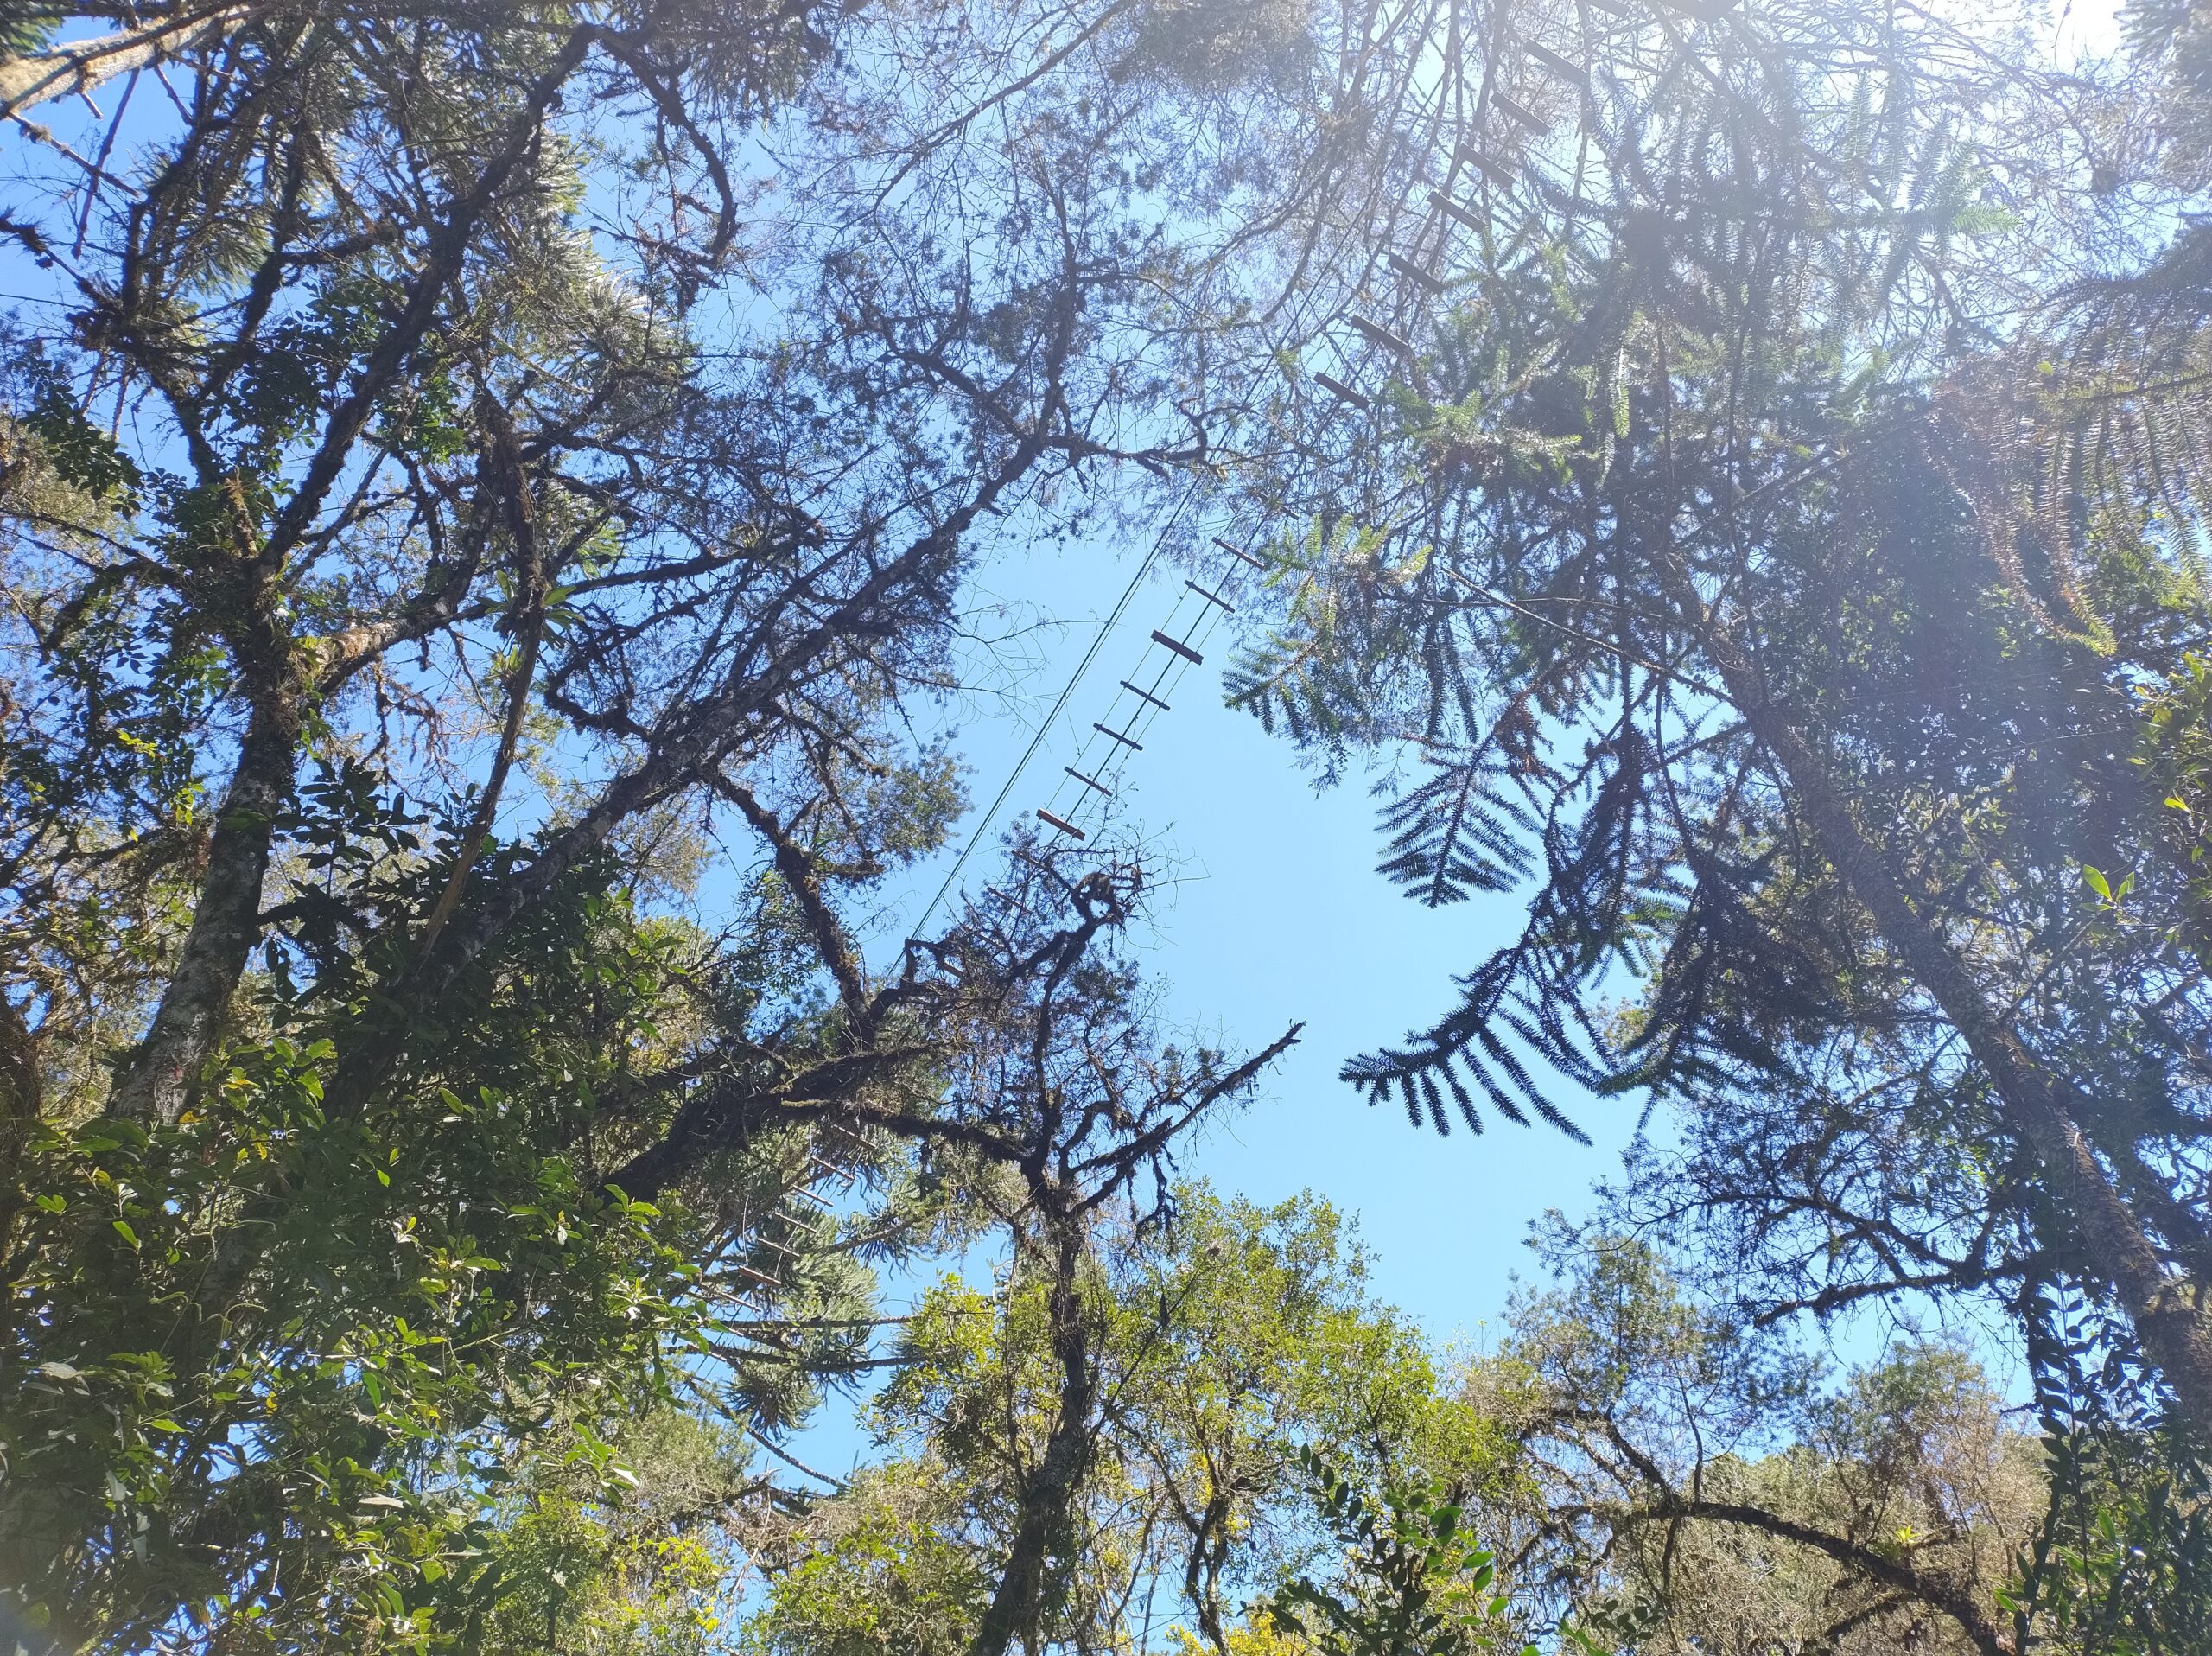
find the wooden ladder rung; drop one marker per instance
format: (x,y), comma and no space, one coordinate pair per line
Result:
(1413,273)
(1495,171)
(1451,208)
(1239,552)
(1212,597)
(1088,781)
(1343,393)
(1146,695)
(1566,68)
(1178,646)
(1521,112)
(1121,736)
(1376,333)
(1061,823)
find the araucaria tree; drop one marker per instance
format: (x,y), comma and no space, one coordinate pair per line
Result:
(1766,493)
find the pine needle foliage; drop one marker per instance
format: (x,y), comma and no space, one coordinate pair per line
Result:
(1781,533)
(1771,240)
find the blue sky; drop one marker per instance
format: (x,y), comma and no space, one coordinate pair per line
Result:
(1269,912)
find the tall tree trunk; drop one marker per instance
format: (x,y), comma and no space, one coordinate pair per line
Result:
(1048,1492)
(226,921)
(2039,1105)
(21,1099)
(224,924)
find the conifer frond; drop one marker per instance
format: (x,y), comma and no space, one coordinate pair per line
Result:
(1457,834)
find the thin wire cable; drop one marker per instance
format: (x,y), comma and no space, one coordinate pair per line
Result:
(1052,718)
(1090,803)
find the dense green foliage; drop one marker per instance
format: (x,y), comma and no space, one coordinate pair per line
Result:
(1221,1348)
(474,465)
(1276,1471)
(488,497)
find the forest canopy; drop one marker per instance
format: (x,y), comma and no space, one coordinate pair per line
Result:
(490,496)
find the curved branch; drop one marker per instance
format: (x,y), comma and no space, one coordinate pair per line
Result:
(1989,1636)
